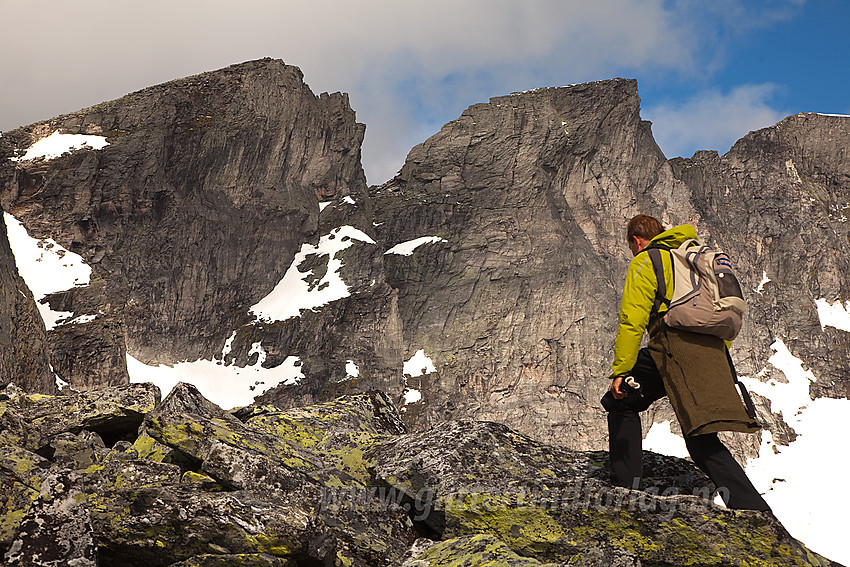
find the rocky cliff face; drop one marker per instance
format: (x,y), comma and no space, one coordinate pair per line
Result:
(124,479)
(778,201)
(208,195)
(23,341)
(205,191)
(517,305)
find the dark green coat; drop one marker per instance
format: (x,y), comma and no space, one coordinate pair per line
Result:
(699,382)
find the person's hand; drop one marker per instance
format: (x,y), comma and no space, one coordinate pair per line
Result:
(616,384)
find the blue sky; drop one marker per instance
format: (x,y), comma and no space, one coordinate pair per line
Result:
(708,72)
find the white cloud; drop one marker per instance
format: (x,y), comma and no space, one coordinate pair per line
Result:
(712,120)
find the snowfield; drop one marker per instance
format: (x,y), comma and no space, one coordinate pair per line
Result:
(46,267)
(295,292)
(57,144)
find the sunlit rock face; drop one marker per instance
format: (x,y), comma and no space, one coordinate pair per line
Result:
(516,305)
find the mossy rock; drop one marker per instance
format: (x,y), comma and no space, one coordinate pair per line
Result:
(230,560)
(21,474)
(470,551)
(113,412)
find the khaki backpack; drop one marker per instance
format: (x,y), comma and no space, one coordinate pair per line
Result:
(707,297)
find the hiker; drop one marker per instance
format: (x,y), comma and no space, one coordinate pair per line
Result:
(692,369)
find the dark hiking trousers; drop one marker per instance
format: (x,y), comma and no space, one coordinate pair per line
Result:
(707,451)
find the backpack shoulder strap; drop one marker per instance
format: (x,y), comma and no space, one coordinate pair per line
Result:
(654,252)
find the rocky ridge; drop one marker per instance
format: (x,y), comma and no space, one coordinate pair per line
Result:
(116,477)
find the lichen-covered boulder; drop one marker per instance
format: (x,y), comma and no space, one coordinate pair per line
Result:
(56,530)
(336,432)
(20,476)
(78,451)
(231,560)
(113,412)
(321,444)
(192,425)
(340,484)
(482,549)
(469,551)
(294,458)
(470,478)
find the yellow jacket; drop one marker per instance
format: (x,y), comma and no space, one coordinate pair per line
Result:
(639,296)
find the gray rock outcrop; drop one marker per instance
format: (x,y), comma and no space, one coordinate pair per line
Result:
(23,339)
(340,483)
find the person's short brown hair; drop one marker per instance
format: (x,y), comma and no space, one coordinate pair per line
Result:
(644,226)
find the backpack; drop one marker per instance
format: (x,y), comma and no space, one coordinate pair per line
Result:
(707,296)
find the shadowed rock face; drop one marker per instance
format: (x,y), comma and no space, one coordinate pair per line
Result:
(23,340)
(339,483)
(196,207)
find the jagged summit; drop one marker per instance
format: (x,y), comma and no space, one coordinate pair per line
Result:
(205,191)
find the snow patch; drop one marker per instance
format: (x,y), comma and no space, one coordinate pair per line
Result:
(347,199)
(411,396)
(81,320)
(799,480)
(661,439)
(787,397)
(764,280)
(46,267)
(226,386)
(419,365)
(407,248)
(57,144)
(60,383)
(299,290)
(833,315)
(228,346)
(351,369)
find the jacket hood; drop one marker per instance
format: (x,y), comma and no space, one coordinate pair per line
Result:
(675,236)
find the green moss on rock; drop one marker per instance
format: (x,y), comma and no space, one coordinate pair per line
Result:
(473,551)
(527,529)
